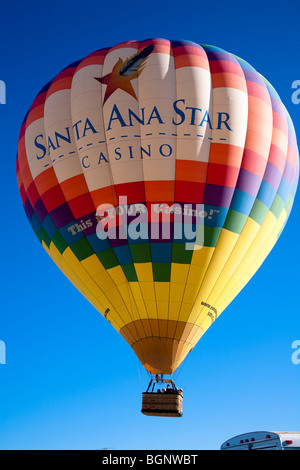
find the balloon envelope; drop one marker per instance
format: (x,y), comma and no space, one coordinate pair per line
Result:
(158,176)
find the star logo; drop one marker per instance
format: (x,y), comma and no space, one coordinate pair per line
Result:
(125,71)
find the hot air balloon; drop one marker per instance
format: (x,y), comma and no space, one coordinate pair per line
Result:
(158,175)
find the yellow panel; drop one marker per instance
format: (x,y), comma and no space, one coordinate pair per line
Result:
(206,323)
(256,254)
(196,274)
(115,297)
(104,281)
(114,319)
(174,310)
(129,300)
(190,293)
(224,247)
(202,257)
(136,291)
(70,257)
(185,311)
(93,287)
(144,271)
(124,315)
(116,300)
(162,291)
(242,245)
(148,291)
(265,230)
(176,291)
(280,222)
(117,275)
(163,309)
(104,302)
(53,252)
(66,267)
(81,273)
(225,244)
(138,299)
(141,308)
(93,265)
(246,237)
(179,272)
(151,308)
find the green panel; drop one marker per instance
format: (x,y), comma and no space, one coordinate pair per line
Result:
(130,273)
(235,221)
(289,203)
(45,237)
(108,258)
(259,211)
(59,242)
(277,206)
(211,236)
(161,272)
(140,252)
(180,254)
(82,249)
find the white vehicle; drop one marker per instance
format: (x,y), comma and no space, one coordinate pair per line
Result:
(263,440)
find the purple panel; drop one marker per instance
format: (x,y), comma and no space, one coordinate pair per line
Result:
(278,107)
(215,195)
(28,208)
(253,77)
(272,175)
(40,209)
(218,55)
(248,182)
(293,140)
(288,173)
(87,224)
(62,215)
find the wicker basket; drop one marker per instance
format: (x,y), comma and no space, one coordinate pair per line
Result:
(162,404)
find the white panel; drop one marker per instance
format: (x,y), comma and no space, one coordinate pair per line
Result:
(157,93)
(234,103)
(86,108)
(194,92)
(121,127)
(57,121)
(36,148)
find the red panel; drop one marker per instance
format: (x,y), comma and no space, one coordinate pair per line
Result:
(160,191)
(82,205)
(222,175)
(187,191)
(33,194)
(135,192)
(53,198)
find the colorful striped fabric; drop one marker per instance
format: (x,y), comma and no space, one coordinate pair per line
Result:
(127,152)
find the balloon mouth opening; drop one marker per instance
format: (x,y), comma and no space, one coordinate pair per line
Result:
(162,353)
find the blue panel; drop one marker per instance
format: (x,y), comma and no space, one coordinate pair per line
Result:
(49,226)
(123,254)
(266,193)
(161,252)
(97,244)
(284,189)
(242,202)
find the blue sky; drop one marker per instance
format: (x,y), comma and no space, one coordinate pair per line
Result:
(70,381)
